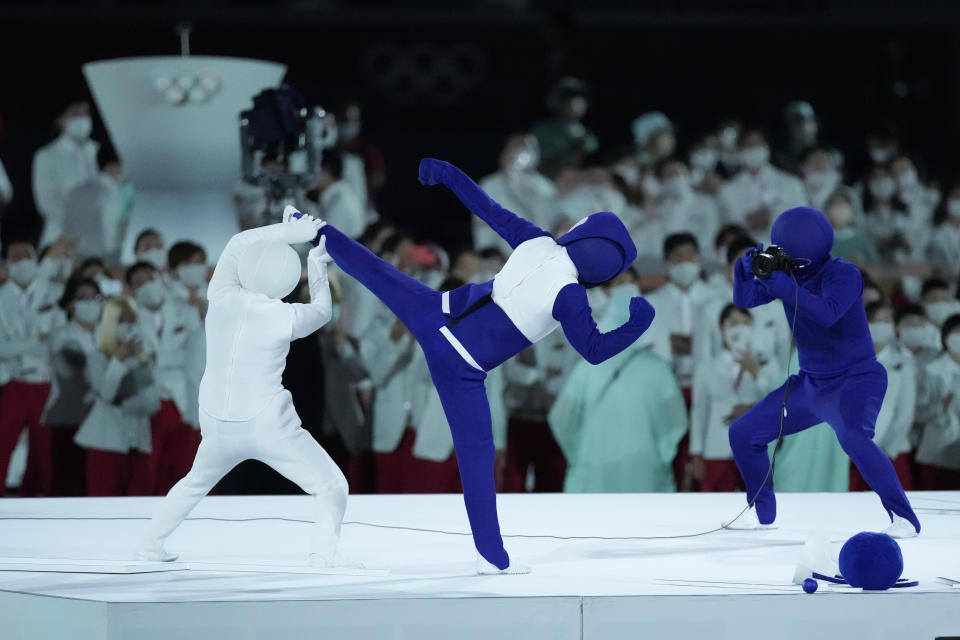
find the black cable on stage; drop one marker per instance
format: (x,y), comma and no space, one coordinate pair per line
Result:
(725,525)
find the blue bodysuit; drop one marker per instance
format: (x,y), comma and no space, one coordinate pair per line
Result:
(468,331)
(840,380)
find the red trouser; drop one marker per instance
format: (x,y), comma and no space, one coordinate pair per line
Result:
(69,463)
(682,459)
(721,475)
(118,474)
(901,464)
(428,476)
(934,478)
(174,445)
(393,468)
(530,443)
(21,405)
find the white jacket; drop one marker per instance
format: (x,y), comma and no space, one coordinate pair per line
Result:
(248,334)
(125,396)
(900,402)
(678,312)
(57,168)
(940,438)
(692,212)
(27,318)
(175,334)
(717,388)
(529,195)
(342,208)
(387,362)
(771,188)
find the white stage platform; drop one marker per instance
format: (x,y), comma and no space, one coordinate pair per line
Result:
(245,581)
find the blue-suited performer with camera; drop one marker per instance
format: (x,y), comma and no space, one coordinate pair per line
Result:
(840,381)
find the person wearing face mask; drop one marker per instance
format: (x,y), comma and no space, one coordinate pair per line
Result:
(564,140)
(94,211)
(115,434)
(334,198)
(173,331)
(918,335)
(63,164)
(938,451)
(724,389)
(95,269)
(187,263)
(759,189)
(703,160)
(840,381)
(822,178)
(679,303)
(938,302)
(898,410)
(349,140)
(682,208)
(653,138)
(619,423)
(475,328)
(245,412)
(519,186)
(28,317)
(945,245)
(849,242)
(884,214)
(149,247)
(921,201)
(771,332)
(802,135)
(70,397)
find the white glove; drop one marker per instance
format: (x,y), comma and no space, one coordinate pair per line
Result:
(304,229)
(319,252)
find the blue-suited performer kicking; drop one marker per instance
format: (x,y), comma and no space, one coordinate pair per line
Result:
(468,331)
(840,380)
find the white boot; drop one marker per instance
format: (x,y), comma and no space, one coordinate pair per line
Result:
(484,568)
(901,528)
(747,521)
(155,554)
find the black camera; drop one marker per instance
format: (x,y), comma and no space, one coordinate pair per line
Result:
(771,259)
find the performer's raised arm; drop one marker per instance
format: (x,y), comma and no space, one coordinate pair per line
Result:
(572,310)
(840,288)
(747,290)
(226,277)
(508,225)
(307,318)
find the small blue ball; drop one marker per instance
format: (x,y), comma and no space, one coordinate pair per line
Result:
(810,585)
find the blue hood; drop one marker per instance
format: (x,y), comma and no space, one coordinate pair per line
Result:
(806,235)
(600,247)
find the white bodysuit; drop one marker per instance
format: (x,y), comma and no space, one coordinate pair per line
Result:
(245,413)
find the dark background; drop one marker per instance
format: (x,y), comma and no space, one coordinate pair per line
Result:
(698,61)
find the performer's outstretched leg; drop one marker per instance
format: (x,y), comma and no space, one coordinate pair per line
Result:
(210,465)
(852,412)
(408,298)
(299,458)
(753,431)
(464,401)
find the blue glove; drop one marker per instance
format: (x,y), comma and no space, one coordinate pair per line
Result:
(641,313)
(744,265)
(433,171)
(780,285)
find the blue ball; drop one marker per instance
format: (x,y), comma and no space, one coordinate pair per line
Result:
(871,561)
(810,585)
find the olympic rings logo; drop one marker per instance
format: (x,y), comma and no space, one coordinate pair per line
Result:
(423,73)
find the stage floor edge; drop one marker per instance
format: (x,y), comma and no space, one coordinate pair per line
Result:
(734,585)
